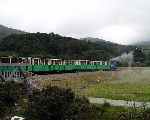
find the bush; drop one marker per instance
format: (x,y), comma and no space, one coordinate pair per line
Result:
(56,103)
(10,93)
(136,113)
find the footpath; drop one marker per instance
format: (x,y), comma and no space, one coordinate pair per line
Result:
(121,103)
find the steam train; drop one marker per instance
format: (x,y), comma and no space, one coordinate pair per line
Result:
(15,66)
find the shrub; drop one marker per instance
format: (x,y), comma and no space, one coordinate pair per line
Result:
(10,93)
(56,103)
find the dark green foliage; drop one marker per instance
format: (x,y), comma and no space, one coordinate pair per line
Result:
(145,46)
(10,93)
(55,103)
(135,113)
(113,48)
(147,61)
(139,56)
(5,31)
(60,104)
(56,46)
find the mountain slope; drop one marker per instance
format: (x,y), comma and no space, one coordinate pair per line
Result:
(145,45)
(119,48)
(56,46)
(142,43)
(5,31)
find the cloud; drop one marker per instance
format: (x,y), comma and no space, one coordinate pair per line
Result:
(80,18)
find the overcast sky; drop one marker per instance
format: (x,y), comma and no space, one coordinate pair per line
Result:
(121,21)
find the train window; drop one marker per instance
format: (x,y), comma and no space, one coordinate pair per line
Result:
(36,61)
(95,63)
(46,61)
(83,62)
(20,60)
(14,60)
(42,61)
(5,60)
(88,62)
(53,62)
(57,62)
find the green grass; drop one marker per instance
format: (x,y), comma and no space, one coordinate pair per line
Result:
(121,113)
(128,84)
(121,91)
(125,84)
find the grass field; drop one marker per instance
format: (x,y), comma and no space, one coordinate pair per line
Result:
(125,84)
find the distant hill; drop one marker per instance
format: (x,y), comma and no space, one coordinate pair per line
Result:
(93,39)
(145,45)
(118,47)
(142,43)
(5,31)
(18,43)
(57,46)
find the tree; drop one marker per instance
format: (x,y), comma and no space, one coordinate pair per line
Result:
(147,61)
(139,56)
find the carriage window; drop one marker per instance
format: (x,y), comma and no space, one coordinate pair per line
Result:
(46,61)
(36,61)
(14,60)
(103,63)
(5,60)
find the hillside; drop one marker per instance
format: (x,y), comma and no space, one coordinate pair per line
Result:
(93,39)
(5,31)
(119,48)
(145,45)
(56,46)
(142,43)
